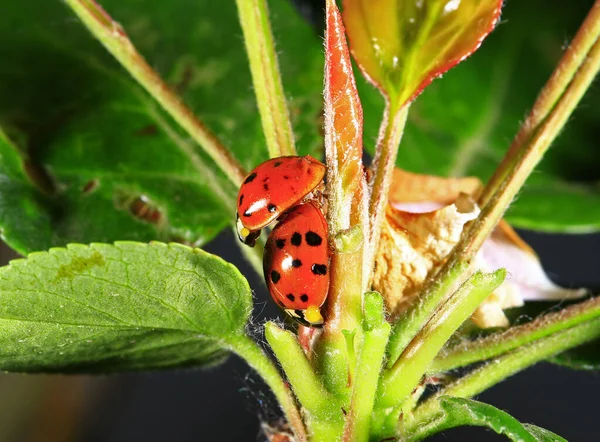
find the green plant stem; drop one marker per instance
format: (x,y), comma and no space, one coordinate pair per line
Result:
(116,41)
(499,343)
(347,212)
(390,134)
(371,352)
(500,368)
(342,316)
(368,365)
(572,59)
(398,382)
(272,105)
(407,327)
(306,385)
(247,349)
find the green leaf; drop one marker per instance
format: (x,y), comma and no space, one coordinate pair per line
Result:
(462,124)
(128,306)
(584,357)
(457,412)
(109,163)
(401,45)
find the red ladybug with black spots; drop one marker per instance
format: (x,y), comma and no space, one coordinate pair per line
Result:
(296,263)
(272,188)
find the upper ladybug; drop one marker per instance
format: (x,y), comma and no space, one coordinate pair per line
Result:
(272,188)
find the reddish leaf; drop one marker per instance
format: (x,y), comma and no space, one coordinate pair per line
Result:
(343,128)
(402,45)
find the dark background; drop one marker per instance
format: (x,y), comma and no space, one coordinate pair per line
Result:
(227,403)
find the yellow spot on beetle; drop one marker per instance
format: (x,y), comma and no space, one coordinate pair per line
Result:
(313,315)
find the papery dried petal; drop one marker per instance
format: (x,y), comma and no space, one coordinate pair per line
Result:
(411,189)
(412,244)
(421,206)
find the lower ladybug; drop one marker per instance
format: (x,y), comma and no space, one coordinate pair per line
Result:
(296,263)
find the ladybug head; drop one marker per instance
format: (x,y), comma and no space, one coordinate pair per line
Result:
(310,317)
(245,235)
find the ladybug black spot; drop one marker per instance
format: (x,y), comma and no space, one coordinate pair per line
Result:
(280,243)
(241,199)
(313,239)
(319,269)
(266,186)
(250,178)
(296,239)
(304,297)
(285,177)
(277,164)
(291,297)
(271,208)
(296,263)
(275,277)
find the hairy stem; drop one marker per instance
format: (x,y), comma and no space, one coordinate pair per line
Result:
(529,155)
(247,349)
(499,343)
(334,358)
(404,376)
(115,40)
(272,105)
(500,368)
(572,59)
(390,134)
(407,327)
(306,385)
(347,210)
(368,367)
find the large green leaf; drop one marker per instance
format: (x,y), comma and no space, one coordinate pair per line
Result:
(118,166)
(458,412)
(128,306)
(463,123)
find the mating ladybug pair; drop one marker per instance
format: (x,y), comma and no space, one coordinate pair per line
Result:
(296,259)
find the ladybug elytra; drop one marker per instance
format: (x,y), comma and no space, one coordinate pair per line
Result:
(272,188)
(296,263)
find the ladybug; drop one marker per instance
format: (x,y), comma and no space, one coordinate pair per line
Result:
(272,188)
(296,263)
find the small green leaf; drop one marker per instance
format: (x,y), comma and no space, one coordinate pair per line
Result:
(463,124)
(128,306)
(402,45)
(458,412)
(119,167)
(584,357)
